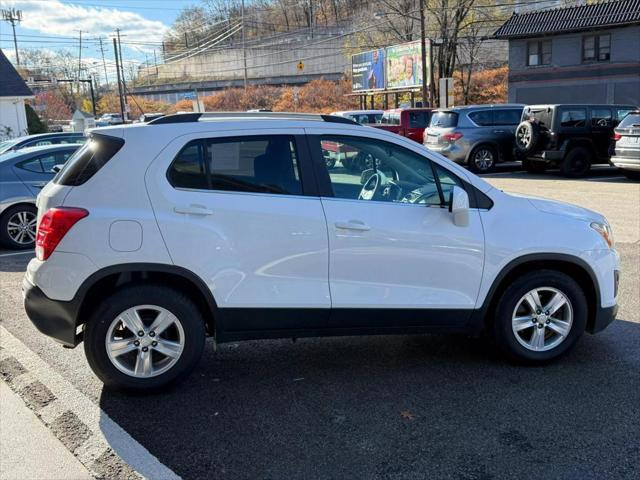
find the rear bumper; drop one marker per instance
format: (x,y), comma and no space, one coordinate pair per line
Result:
(54,318)
(604,316)
(453,152)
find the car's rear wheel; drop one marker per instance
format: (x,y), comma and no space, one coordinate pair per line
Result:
(540,316)
(482,159)
(144,337)
(18,226)
(576,163)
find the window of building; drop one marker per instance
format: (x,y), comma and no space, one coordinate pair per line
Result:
(596,48)
(261,164)
(539,53)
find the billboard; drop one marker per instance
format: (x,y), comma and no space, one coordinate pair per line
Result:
(404,66)
(367,70)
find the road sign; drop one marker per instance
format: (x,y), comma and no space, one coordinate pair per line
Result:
(300,66)
(189,96)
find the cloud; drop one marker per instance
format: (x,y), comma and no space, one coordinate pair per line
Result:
(53,17)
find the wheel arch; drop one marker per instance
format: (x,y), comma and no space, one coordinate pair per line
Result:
(571,265)
(480,143)
(584,142)
(104,282)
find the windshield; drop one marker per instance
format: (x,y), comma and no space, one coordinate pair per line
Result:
(444,119)
(7,144)
(631,120)
(541,115)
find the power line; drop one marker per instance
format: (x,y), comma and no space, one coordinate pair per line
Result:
(12,16)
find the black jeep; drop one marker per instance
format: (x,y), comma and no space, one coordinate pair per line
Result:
(569,136)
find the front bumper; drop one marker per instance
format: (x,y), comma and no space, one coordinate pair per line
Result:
(627,162)
(54,318)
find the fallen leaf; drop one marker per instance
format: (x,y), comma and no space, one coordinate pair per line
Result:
(406,414)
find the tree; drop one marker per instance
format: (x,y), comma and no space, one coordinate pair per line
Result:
(34,124)
(52,105)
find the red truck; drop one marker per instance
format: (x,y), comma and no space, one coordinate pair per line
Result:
(408,122)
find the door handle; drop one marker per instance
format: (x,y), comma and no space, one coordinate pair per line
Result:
(498,131)
(193,210)
(40,184)
(353,225)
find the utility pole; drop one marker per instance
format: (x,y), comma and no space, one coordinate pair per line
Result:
(244,47)
(423,52)
(115,51)
(104,64)
(79,60)
(12,16)
(124,85)
(93,97)
(155,62)
(311,16)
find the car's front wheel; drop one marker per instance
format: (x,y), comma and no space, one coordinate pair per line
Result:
(483,159)
(18,226)
(540,316)
(144,337)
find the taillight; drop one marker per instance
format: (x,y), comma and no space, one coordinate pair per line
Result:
(616,136)
(452,137)
(55,224)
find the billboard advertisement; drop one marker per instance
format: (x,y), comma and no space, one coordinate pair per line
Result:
(404,66)
(367,70)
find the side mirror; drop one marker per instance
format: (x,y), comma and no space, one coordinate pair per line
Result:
(57,168)
(459,206)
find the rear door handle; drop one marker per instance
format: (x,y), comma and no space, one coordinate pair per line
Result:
(353,225)
(498,131)
(193,210)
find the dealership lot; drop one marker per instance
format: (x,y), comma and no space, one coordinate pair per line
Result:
(394,407)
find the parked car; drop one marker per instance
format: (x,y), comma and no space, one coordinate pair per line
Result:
(407,122)
(234,228)
(572,137)
(627,149)
(40,139)
(109,119)
(478,136)
(23,173)
(364,117)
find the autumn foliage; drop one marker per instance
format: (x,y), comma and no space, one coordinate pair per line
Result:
(487,86)
(110,103)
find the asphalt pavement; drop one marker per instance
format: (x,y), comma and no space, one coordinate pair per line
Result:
(396,407)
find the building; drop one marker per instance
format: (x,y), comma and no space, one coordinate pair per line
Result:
(80,121)
(581,54)
(13,92)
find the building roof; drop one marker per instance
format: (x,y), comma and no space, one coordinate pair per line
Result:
(12,85)
(571,19)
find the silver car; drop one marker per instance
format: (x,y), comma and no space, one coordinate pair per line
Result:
(478,136)
(23,173)
(627,153)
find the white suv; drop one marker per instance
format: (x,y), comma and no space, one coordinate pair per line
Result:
(157,235)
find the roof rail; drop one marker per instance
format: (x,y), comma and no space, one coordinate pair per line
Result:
(195,117)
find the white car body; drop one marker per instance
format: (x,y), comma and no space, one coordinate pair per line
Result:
(315,254)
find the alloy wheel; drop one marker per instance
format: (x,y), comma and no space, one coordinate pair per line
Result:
(21,227)
(542,319)
(145,341)
(483,159)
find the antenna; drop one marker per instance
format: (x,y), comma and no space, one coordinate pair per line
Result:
(12,16)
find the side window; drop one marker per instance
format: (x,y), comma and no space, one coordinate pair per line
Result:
(483,118)
(601,117)
(574,118)
(38,143)
(447,181)
(266,164)
(418,120)
(507,117)
(32,165)
(47,161)
(367,169)
(187,169)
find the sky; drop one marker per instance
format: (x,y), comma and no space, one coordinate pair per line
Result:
(56,24)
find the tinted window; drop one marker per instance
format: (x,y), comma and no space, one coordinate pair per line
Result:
(264,164)
(403,176)
(507,117)
(444,119)
(632,120)
(574,118)
(32,165)
(90,158)
(187,169)
(48,161)
(482,117)
(543,116)
(389,118)
(601,117)
(418,119)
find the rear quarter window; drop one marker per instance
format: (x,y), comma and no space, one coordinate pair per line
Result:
(88,160)
(484,118)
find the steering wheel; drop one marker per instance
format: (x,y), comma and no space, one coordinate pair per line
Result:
(371,188)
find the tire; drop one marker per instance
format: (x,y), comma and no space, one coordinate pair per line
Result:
(190,333)
(527,136)
(576,163)
(12,220)
(513,305)
(532,166)
(632,174)
(482,159)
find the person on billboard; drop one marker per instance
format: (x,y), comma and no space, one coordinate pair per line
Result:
(376,74)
